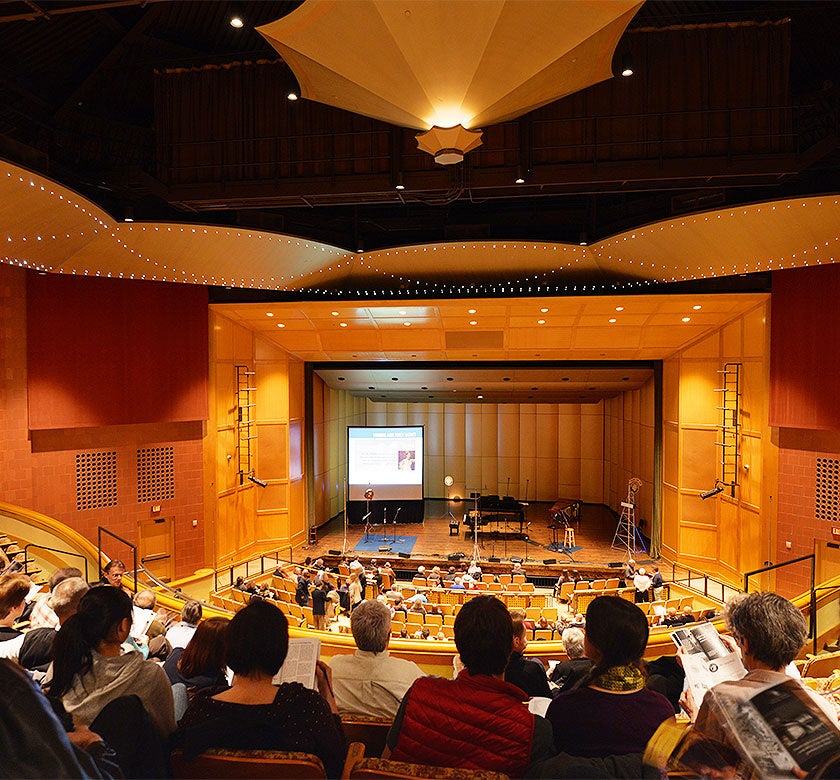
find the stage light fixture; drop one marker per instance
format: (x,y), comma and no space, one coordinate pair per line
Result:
(718,488)
(257,481)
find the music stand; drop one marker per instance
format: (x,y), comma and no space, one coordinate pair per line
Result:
(369,494)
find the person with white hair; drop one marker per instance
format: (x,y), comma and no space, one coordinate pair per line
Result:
(641,582)
(457,585)
(371,682)
(567,674)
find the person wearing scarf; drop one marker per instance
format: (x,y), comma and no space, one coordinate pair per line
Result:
(611,712)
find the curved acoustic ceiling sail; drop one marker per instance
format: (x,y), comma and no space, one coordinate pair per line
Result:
(444,63)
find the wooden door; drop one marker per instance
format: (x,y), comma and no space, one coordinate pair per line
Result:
(157,545)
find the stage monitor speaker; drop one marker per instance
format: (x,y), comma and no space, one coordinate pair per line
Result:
(457,556)
(475,495)
(384,548)
(615,564)
(404,555)
(549,561)
(334,552)
(492,559)
(515,559)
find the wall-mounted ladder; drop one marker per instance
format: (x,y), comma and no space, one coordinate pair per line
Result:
(730,424)
(244,421)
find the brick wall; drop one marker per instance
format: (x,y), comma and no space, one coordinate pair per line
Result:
(38,468)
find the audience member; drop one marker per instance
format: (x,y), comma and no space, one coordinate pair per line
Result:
(43,615)
(302,591)
(528,674)
(89,670)
(144,624)
(657,584)
(486,724)
(610,712)
(517,569)
(14,589)
(112,573)
(768,632)
(201,664)
(641,582)
(371,682)
(36,650)
(180,634)
(673,619)
(254,713)
(319,605)
(457,585)
(433,578)
(355,590)
(567,674)
(475,570)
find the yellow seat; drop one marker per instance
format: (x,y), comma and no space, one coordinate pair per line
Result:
(533,613)
(599,584)
(414,619)
(434,620)
(550,613)
(449,620)
(248,764)
(543,634)
(822,665)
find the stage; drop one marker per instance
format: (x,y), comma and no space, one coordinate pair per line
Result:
(434,544)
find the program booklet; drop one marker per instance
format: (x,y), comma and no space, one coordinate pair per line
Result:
(707,660)
(300,662)
(779,731)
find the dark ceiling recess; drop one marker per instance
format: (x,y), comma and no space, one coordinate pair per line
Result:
(730,104)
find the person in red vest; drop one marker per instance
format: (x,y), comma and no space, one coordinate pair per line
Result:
(477,720)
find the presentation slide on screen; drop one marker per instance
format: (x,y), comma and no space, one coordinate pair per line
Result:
(387,459)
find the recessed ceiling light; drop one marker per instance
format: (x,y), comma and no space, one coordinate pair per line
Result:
(424,388)
(269,314)
(236,21)
(625,379)
(619,308)
(406,324)
(544,310)
(613,319)
(292,96)
(402,312)
(697,307)
(281,324)
(686,319)
(564,379)
(479,388)
(341,379)
(470,311)
(450,379)
(480,397)
(505,379)
(540,322)
(395,379)
(535,388)
(473,322)
(371,387)
(334,313)
(343,324)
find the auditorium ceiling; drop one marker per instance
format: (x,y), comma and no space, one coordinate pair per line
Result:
(150,140)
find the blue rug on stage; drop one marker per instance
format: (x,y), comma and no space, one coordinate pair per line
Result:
(403,544)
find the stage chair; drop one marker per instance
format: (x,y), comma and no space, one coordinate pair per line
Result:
(357,767)
(220,763)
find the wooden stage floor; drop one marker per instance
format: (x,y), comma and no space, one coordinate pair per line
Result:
(594,535)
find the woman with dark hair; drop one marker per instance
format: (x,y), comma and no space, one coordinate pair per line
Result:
(90,669)
(611,712)
(201,664)
(256,714)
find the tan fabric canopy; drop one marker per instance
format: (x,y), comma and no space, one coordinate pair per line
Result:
(448,62)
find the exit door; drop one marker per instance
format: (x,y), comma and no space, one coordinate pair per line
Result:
(157,543)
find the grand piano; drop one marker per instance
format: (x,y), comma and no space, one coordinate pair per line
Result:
(497,511)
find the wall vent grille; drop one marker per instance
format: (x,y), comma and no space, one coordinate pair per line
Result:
(155,474)
(96,480)
(827,490)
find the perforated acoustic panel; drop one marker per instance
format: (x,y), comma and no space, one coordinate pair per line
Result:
(96,480)
(155,474)
(827,489)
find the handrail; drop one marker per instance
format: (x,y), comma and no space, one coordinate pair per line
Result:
(99,531)
(51,549)
(691,575)
(812,622)
(232,567)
